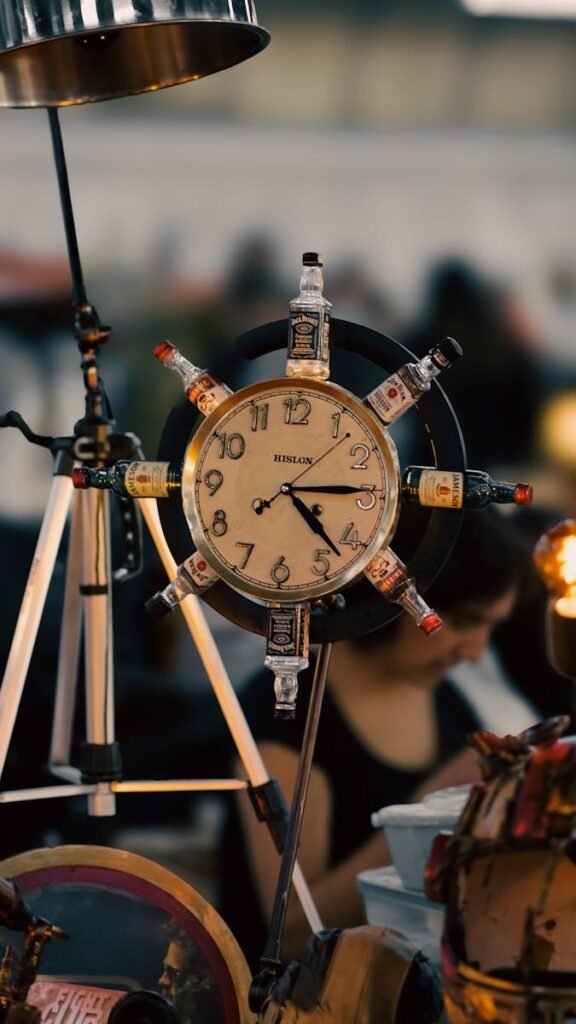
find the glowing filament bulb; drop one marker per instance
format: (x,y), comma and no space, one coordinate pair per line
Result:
(555,559)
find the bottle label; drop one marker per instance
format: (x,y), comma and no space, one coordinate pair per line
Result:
(200,572)
(305,336)
(206,393)
(288,631)
(391,398)
(438,489)
(385,571)
(147,479)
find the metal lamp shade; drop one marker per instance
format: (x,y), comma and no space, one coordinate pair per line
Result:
(61,52)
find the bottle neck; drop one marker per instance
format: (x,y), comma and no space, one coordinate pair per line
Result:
(312,280)
(502,493)
(183,368)
(426,369)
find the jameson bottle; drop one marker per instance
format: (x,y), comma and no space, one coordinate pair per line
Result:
(136,479)
(203,390)
(309,328)
(287,653)
(439,488)
(193,576)
(399,392)
(389,575)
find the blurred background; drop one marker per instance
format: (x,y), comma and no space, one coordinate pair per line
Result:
(427,150)
(393,135)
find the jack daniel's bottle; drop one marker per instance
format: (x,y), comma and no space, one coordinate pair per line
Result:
(439,488)
(309,330)
(134,478)
(203,390)
(399,392)
(389,575)
(287,650)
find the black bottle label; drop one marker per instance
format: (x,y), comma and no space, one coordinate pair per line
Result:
(288,631)
(305,335)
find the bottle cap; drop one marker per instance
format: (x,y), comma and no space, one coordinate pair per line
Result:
(431,623)
(523,494)
(163,351)
(445,353)
(286,711)
(312,259)
(157,606)
(80,477)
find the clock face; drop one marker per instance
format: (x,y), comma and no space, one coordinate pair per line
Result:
(289,488)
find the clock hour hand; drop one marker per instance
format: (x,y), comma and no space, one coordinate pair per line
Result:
(312,521)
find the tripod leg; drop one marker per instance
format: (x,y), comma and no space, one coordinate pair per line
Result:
(31,608)
(98,645)
(68,654)
(224,691)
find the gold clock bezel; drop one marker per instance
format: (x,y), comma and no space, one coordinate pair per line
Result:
(265,595)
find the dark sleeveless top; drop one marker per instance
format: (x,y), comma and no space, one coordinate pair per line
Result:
(360,784)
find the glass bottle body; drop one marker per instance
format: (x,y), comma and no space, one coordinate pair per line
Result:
(435,488)
(309,324)
(193,576)
(203,390)
(287,647)
(137,479)
(401,390)
(389,575)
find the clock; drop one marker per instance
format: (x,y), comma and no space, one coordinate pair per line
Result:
(289,488)
(424,538)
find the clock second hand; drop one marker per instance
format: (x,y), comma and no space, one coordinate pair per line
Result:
(259,504)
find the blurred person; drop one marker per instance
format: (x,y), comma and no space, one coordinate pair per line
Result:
(497,387)
(253,292)
(392,727)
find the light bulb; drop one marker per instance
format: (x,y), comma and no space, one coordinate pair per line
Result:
(555,560)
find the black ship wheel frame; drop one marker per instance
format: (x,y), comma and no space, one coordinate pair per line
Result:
(364,609)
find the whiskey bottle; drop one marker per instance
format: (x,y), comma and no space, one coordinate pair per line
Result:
(389,575)
(133,478)
(309,326)
(287,648)
(439,488)
(401,390)
(193,576)
(203,390)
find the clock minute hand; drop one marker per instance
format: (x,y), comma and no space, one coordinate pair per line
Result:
(331,489)
(312,521)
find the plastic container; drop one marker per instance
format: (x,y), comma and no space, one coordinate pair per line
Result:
(410,830)
(388,902)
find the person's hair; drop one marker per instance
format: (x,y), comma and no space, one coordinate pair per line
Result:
(488,560)
(173,932)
